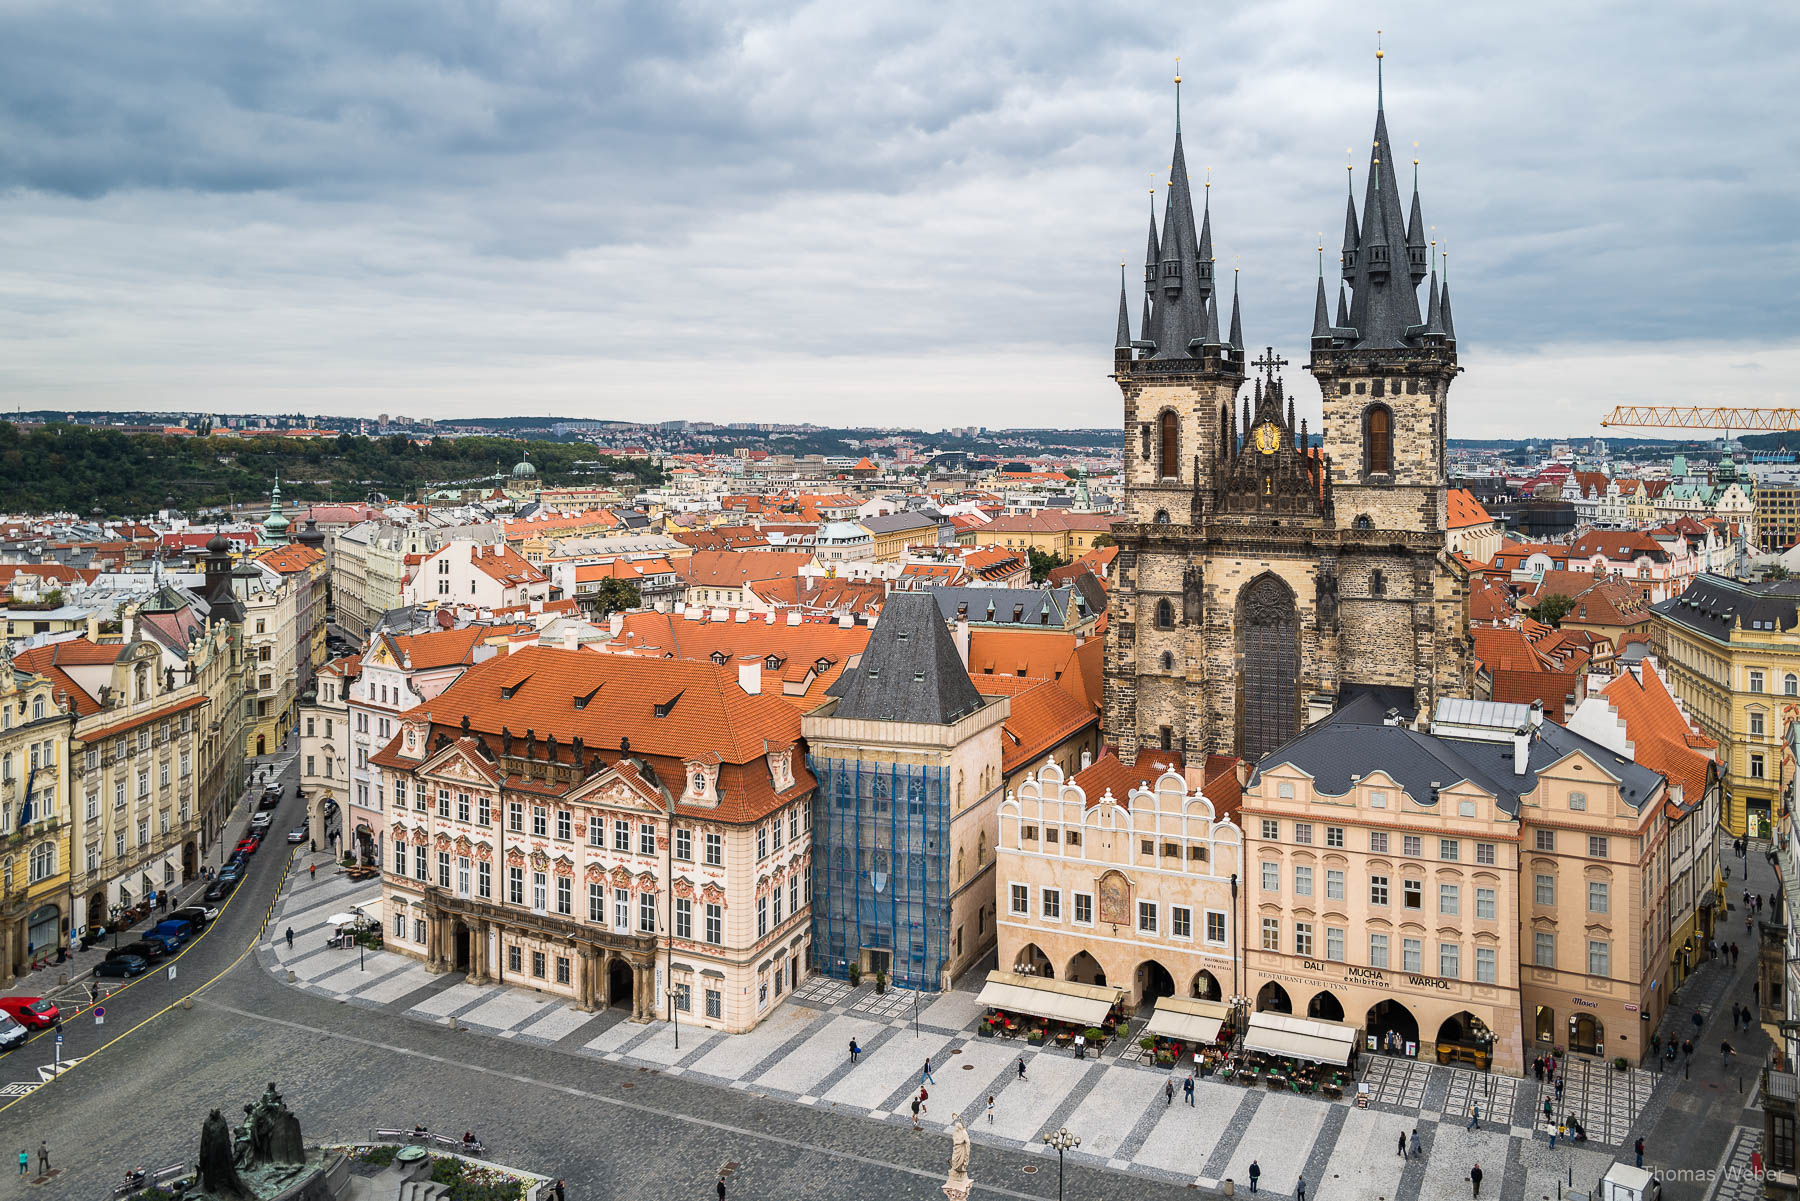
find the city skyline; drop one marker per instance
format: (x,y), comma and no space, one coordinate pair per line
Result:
(658,216)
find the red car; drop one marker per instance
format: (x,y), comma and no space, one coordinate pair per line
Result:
(249,845)
(34,1013)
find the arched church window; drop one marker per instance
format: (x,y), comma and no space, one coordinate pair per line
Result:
(1363,522)
(1168,661)
(1165,615)
(1378,440)
(1377,583)
(1162,517)
(1170,445)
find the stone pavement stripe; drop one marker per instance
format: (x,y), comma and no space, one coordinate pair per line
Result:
(1241,1118)
(933,1176)
(963,1083)
(734,1058)
(1116,1101)
(1363,1164)
(1023,1109)
(1325,1145)
(1180,1137)
(561,1022)
(1280,1141)
(822,1053)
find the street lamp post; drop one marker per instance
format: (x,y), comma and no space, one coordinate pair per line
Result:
(1064,1142)
(674,1016)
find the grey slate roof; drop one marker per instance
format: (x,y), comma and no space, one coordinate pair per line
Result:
(1355,741)
(910,670)
(1714,605)
(893,522)
(1006,606)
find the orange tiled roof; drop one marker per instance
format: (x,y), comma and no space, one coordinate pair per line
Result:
(1465,510)
(1662,738)
(49,662)
(1109,773)
(1042,716)
(505,565)
(290,559)
(735,568)
(798,650)
(672,711)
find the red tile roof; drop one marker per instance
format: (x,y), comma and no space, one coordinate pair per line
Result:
(1042,717)
(290,559)
(1662,738)
(1109,773)
(1465,510)
(49,662)
(735,568)
(797,677)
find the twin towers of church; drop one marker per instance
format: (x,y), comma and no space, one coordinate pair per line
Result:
(1263,578)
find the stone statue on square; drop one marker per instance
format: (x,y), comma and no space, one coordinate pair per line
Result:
(959,1182)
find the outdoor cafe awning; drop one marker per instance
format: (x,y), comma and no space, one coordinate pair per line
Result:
(1300,1038)
(1040,996)
(1188,1018)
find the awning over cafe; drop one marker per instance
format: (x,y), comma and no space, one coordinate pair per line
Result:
(1300,1038)
(1058,1000)
(1188,1018)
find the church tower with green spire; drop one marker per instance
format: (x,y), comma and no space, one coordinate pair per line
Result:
(275,525)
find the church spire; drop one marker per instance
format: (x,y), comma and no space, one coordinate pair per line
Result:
(1343,313)
(1181,309)
(1444,305)
(1415,233)
(1434,313)
(1347,258)
(1122,340)
(1237,324)
(1384,307)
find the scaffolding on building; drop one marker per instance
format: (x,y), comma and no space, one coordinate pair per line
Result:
(880,877)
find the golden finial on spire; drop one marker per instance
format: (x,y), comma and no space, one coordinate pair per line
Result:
(1209,177)
(1378,50)
(1178,68)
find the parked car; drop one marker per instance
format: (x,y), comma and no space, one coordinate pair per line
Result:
(150,949)
(176,929)
(249,843)
(197,916)
(232,872)
(261,822)
(12,1034)
(123,967)
(297,834)
(271,797)
(34,1013)
(221,888)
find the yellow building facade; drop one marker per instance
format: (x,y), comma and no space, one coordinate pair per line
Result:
(1731,651)
(34,819)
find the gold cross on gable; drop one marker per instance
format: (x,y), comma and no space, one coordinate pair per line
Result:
(1270,359)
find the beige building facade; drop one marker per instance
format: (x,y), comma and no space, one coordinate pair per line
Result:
(35,826)
(1134,892)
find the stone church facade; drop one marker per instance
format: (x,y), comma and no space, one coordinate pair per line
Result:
(1261,578)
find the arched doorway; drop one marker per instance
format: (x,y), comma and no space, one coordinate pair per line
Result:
(1206,986)
(1272,998)
(1587,1034)
(190,861)
(1268,649)
(460,948)
(1325,1006)
(1465,1038)
(1394,1027)
(1153,981)
(1085,969)
(261,746)
(97,909)
(1031,961)
(618,983)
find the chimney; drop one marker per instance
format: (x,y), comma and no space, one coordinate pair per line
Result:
(1391,718)
(1521,749)
(570,642)
(1537,714)
(1087,757)
(750,677)
(615,622)
(962,642)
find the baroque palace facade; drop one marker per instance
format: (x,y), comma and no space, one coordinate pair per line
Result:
(1262,578)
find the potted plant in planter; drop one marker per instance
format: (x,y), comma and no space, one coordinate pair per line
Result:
(1619,1064)
(1095,1037)
(1036,1037)
(1164,1059)
(856,975)
(880,982)
(986,1029)
(1148,1043)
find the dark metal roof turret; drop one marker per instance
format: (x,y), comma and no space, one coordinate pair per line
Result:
(1122,339)
(1237,324)
(1384,307)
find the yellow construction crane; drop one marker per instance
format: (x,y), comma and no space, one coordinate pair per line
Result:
(1696,417)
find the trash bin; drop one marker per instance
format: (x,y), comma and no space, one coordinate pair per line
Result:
(1228,1188)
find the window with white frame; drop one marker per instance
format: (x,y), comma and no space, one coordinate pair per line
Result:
(1334,944)
(1271,876)
(1486,904)
(1598,899)
(1303,938)
(1021,899)
(1215,926)
(1449,960)
(1181,922)
(1543,949)
(1271,934)
(1599,957)
(1050,904)
(1378,950)
(1084,909)
(1303,880)
(1449,899)
(1487,965)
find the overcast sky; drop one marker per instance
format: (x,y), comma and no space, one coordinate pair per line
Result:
(863,213)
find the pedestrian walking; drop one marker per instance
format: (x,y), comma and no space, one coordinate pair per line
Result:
(43,1159)
(1554,1131)
(1726,1051)
(1640,1152)
(1418,1151)
(925,1076)
(1300,1189)
(1187,1091)
(1475,1178)
(1559,1088)
(923,1098)
(557,1191)
(854,1052)
(915,1111)
(1546,1109)
(290,937)
(721,1188)
(1687,1047)
(1737,1015)
(1021,1067)
(1401,1149)
(1475,1116)
(1734,946)
(990,1109)
(312,873)
(1699,1022)
(1168,1093)
(24,1162)
(1255,1176)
